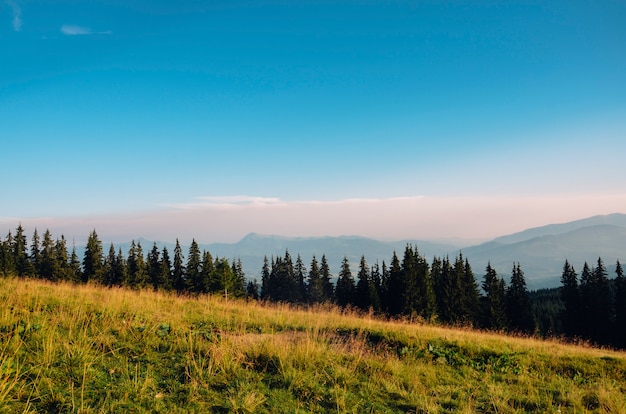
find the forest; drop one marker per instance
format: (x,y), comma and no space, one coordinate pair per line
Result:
(589,307)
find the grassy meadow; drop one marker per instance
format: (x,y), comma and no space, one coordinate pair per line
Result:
(87,349)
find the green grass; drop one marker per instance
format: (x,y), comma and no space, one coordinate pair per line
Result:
(85,349)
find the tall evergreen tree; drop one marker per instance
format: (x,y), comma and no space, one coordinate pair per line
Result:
(620,306)
(363,298)
(34,258)
(315,288)
(93,260)
(153,263)
(165,269)
(20,256)
(7,263)
(518,305)
(193,275)
(300,276)
(75,271)
(47,258)
(110,267)
(570,295)
(61,260)
(327,284)
(377,282)
(419,299)
(345,285)
(395,292)
(265,280)
(178,271)
(493,303)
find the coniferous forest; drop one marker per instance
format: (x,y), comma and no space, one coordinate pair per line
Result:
(587,306)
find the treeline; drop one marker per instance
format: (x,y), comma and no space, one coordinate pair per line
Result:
(445,290)
(48,259)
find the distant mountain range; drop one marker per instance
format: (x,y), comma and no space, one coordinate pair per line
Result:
(541,251)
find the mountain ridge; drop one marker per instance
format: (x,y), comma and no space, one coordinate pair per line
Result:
(541,251)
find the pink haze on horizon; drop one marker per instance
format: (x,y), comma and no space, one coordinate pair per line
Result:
(228,219)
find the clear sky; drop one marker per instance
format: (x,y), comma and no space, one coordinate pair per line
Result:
(390,119)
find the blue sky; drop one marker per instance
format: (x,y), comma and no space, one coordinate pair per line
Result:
(423,118)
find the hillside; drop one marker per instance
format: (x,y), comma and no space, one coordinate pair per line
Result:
(66,348)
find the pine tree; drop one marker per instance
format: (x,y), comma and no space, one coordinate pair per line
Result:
(362,294)
(110,267)
(300,276)
(165,271)
(7,263)
(395,292)
(34,258)
(153,263)
(518,305)
(193,275)
(345,285)
(61,260)
(46,258)
(620,306)
(315,288)
(178,271)
(75,271)
(327,284)
(252,290)
(265,280)
(493,303)
(570,295)
(20,256)
(93,260)
(470,295)
(377,282)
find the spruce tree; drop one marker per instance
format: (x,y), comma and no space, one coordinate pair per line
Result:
(362,295)
(345,285)
(61,260)
(518,305)
(8,262)
(193,274)
(300,276)
(327,284)
(620,306)
(165,269)
(75,271)
(265,280)
(315,288)
(110,267)
(46,258)
(178,271)
(570,295)
(153,263)
(93,260)
(493,303)
(419,298)
(252,290)
(395,292)
(35,258)
(20,256)
(377,283)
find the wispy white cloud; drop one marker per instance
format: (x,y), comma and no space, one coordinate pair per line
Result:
(17,14)
(227,202)
(73,30)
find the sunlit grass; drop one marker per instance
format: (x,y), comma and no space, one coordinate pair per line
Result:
(66,348)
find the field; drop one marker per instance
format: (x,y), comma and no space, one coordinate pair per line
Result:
(86,349)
